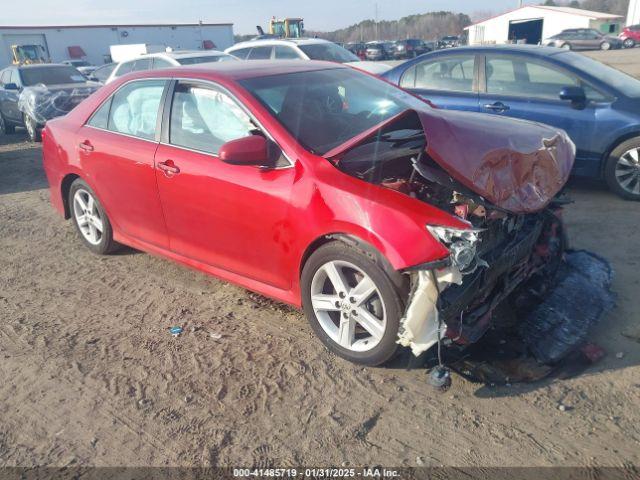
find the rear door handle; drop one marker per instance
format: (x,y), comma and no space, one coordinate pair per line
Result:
(497,107)
(86,146)
(169,168)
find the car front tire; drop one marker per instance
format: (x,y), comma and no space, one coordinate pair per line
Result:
(566,46)
(605,46)
(622,170)
(90,219)
(35,135)
(352,303)
(5,127)
(629,43)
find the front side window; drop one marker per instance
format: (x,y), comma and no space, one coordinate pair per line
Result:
(526,78)
(134,109)
(451,73)
(159,63)
(323,109)
(285,53)
(204,119)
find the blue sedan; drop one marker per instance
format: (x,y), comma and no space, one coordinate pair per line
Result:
(598,106)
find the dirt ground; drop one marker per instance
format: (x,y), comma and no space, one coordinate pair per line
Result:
(89,374)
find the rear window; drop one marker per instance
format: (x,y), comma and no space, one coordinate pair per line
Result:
(329,52)
(204,59)
(54,75)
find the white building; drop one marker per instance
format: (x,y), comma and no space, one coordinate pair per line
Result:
(633,17)
(530,24)
(92,42)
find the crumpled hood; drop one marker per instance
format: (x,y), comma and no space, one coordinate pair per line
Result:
(515,164)
(44,102)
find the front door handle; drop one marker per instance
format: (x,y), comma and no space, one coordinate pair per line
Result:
(86,146)
(497,107)
(169,168)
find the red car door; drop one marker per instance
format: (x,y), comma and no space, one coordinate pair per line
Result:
(229,216)
(116,149)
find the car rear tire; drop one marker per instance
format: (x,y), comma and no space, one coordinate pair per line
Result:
(352,304)
(622,170)
(35,135)
(629,43)
(90,219)
(5,127)
(605,46)
(566,46)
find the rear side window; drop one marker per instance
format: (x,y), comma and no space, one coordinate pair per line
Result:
(15,77)
(241,53)
(124,68)
(100,117)
(159,63)
(134,109)
(204,119)
(142,64)
(260,53)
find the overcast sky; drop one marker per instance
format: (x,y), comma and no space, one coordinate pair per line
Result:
(244,14)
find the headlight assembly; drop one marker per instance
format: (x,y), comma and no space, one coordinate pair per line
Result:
(462,245)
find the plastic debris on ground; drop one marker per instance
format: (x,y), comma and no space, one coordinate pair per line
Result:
(175,331)
(551,338)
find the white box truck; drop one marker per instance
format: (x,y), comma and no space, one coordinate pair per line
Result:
(122,53)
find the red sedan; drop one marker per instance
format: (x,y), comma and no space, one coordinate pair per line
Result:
(390,222)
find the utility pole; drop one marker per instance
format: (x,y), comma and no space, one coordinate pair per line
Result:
(376,7)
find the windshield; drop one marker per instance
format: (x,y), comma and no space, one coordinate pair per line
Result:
(323,109)
(204,59)
(51,76)
(626,84)
(329,52)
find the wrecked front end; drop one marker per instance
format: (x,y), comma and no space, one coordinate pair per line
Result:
(503,179)
(42,102)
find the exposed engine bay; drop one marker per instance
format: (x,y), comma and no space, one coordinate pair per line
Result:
(504,257)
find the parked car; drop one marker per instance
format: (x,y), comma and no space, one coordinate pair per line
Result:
(409,48)
(30,95)
(358,49)
(275,176)
(377,51)
(83,66)
(598,106)
(156,61)
(301,49)
(630,35)
(583,39)
(102,73)
(450,41)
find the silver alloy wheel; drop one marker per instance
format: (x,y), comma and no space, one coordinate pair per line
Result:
(628,171)
(87,216)
(605,46)
(629,43)
(348,306)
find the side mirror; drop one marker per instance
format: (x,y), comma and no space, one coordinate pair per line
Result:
(251,151)
(575,95)
(11,86)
